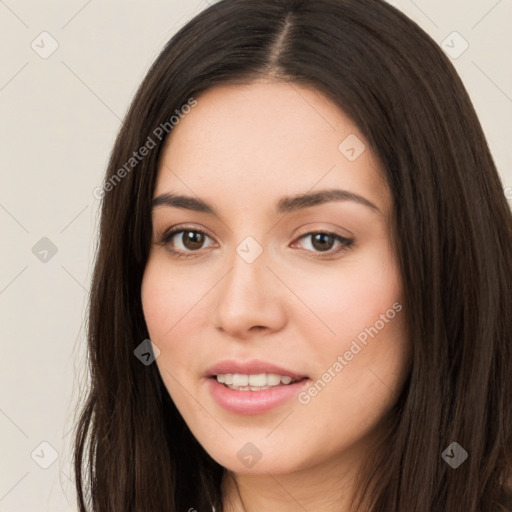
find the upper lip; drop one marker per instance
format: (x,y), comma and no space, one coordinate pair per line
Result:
(250,367)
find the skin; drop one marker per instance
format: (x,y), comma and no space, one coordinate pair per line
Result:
(241,149)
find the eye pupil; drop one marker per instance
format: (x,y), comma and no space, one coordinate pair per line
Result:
(321,237)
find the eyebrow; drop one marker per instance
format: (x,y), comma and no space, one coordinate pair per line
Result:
(284,205)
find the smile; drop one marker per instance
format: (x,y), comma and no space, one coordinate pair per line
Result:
(254,382)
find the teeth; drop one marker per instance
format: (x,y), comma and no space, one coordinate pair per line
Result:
(273,379)
(240,380)
(255,382)
(259,379)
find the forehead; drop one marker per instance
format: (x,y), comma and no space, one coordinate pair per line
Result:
(267,139)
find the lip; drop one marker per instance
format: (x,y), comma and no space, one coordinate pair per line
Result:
(252,402)
(250,368)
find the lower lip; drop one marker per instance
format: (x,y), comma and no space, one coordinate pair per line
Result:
(253,402)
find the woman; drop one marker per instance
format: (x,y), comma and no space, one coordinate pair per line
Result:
(334,330)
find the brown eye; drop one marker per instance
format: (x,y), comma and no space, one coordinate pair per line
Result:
(192,240)
(322,241)
(322,244)
(184,243)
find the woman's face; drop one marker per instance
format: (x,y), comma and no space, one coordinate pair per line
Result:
(274,286)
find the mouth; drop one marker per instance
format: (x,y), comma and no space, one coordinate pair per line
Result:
(253,368)
(254,382)
(252,387)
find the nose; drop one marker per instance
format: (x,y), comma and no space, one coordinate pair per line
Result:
(249,299)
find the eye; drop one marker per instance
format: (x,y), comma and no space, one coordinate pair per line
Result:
(191,240)
(322,242)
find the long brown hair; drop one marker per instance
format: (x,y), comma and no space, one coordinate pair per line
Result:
(453,231)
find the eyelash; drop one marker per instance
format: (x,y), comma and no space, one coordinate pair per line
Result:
(346,243)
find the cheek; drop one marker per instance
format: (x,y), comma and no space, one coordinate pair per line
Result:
(349,300)
(163,305)
(175,313)
(361,367)
(166,299)
(157,303)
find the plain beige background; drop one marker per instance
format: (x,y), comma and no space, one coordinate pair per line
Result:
(59,114)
